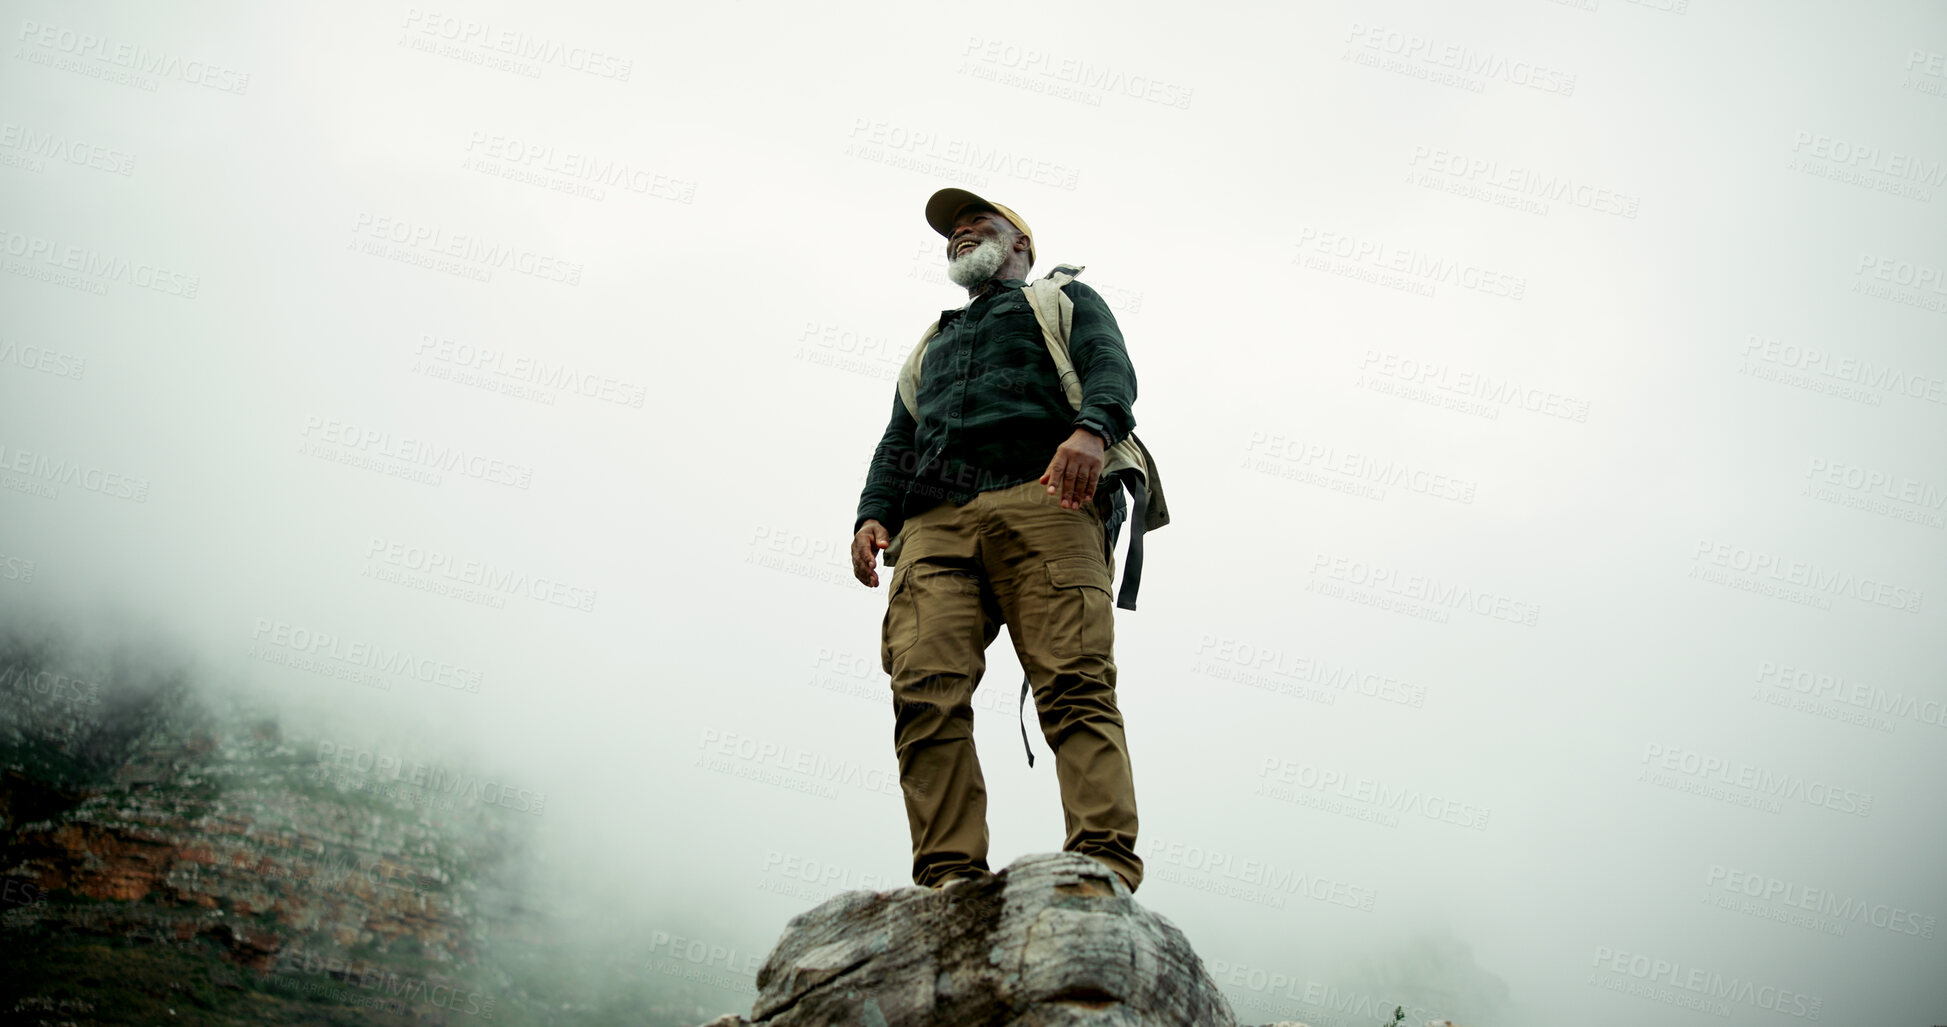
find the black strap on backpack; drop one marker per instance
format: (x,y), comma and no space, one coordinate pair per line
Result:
(1020,711)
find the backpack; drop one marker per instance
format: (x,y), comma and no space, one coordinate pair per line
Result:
(1125,465)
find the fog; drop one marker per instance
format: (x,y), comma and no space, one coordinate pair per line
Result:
(1550,397)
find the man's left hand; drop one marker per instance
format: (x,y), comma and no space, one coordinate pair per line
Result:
(1076,468)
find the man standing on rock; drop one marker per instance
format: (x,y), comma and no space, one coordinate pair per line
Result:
(991,492)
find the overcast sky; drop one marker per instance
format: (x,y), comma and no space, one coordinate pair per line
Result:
(1551,399)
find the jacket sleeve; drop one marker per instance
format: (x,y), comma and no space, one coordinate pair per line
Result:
(1108,378)
(887,477)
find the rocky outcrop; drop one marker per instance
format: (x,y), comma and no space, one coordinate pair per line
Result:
(239,842)
(1053,940)
(178,858)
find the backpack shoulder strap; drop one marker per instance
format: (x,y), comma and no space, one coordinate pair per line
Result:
(1055,312)
(909,371)
(909,395)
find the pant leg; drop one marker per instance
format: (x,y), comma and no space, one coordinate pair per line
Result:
(1053,581)
(940,618)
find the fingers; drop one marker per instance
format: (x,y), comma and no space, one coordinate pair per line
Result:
(1084,487)
(1074,476)
(1071,484)
(1084,471)
(865,555)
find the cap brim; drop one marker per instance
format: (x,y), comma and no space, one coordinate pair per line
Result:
(946,205)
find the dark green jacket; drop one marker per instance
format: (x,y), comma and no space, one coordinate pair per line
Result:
(991,412)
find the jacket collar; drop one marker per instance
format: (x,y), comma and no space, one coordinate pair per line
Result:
(1002,285)
(999,287)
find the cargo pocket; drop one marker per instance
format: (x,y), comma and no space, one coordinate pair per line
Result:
(901,626)
(1081,610)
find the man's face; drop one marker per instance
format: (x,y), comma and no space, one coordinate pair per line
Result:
(976,225)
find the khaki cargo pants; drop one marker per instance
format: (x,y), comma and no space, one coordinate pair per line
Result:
(1009,556)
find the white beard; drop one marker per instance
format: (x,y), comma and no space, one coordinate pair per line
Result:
(976,265)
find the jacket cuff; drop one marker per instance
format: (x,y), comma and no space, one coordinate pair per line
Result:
(1091,424)
(887,520)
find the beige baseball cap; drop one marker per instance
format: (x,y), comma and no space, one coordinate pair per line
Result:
(947,204)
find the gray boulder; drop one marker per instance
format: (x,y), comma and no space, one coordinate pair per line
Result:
(1053,940)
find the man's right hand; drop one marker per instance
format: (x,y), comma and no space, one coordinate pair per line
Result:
(866,544)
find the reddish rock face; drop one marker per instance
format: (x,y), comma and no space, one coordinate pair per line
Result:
(200,873)
(96,862)
(226,834)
